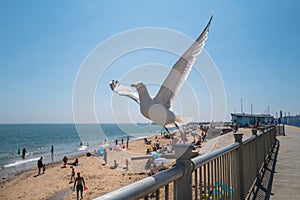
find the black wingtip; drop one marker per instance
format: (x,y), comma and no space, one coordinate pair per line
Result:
(208,24)
(211,17)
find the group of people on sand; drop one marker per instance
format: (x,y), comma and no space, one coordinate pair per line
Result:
(115,164)
(122,143)
(78,181)
(154,147)
(153,167)
(199,139)
(74,163)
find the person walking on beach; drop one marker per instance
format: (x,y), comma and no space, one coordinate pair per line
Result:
(80,184)
(41,165)
(105,156)
(126,163)
(23,152)
(52,151)
(127,142)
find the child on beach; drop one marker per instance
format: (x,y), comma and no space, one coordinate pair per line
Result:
(40,165)
(72,175)
(65,160)
(115,165)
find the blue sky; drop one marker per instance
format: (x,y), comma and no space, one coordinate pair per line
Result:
(255,46)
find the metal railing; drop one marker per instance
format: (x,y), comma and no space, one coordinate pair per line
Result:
(227,173)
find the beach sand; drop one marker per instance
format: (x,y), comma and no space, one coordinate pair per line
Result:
(99,178)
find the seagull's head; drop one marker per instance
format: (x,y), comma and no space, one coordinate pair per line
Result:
(140,87)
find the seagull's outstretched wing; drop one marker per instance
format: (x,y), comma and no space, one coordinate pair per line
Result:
(181,70)
(124,90)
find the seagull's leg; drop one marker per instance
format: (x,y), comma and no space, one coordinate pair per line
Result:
(177,127)
(181,134)
(167,130)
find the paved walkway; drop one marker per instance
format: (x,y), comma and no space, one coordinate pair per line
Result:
(286,182)
(60,195)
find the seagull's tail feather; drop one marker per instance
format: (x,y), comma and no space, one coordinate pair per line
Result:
(180,120)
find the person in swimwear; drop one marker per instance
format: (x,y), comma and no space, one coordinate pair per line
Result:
(65,160)
(80,184)
(40,165)
(75,163)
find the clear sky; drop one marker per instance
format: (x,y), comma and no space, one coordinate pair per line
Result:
(254,44)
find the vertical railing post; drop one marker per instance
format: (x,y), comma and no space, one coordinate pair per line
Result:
(274,134)
(254,132)
(240,165)
(183,186)
(271,137)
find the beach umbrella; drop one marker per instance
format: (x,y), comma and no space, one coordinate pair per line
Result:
(117,148)
(154,154)
(101,151)
(158,161)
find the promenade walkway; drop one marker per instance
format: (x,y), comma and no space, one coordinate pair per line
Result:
(286,182)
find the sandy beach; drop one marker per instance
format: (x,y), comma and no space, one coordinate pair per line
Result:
(99,178)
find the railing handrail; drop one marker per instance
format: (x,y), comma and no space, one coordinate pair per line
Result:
(177,173)
(145,186)
(249,139)
(202,160)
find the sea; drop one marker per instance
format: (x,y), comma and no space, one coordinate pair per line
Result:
(69,140)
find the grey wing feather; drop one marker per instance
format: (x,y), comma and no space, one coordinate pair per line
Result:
(181,70)
(124,90)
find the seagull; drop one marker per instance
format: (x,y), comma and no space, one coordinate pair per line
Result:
(157,109)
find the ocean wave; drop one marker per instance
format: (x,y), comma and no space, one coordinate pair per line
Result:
(20,162)
(82,148)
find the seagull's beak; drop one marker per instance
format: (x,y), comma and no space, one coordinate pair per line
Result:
(134,85)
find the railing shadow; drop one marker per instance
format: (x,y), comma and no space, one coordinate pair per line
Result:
(263,186)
